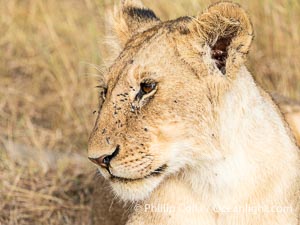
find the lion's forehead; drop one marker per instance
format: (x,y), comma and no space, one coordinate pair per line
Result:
(144,50)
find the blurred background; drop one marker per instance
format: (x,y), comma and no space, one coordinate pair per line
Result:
(51,56)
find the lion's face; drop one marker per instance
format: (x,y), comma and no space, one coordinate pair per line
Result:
(159,112)
(150,114)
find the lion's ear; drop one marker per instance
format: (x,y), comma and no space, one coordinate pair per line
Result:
(130,18)
(227,29)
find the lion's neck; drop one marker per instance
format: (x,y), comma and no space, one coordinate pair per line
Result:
(257,155)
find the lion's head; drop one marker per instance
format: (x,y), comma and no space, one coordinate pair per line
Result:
(160,106)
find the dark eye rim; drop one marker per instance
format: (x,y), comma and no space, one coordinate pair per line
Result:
(103,91)
(147,87)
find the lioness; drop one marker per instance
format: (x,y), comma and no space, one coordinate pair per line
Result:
(184,130)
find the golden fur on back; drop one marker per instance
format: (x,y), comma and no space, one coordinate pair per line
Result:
(182,121)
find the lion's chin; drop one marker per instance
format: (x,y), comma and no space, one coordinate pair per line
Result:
(135,190)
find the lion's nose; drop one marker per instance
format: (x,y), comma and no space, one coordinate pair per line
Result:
(104,160)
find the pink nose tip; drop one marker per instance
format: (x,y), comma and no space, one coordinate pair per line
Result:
(102,161)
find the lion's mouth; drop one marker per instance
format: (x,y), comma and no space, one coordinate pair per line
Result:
(156,172)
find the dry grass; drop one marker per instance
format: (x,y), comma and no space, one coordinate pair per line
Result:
(50,55)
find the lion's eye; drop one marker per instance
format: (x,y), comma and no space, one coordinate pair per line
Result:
(102,92)
(146,88)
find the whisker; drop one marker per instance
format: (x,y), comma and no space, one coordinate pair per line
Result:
(93,75)
(101,70)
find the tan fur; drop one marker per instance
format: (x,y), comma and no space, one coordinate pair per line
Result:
(291,113)
(206,136)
